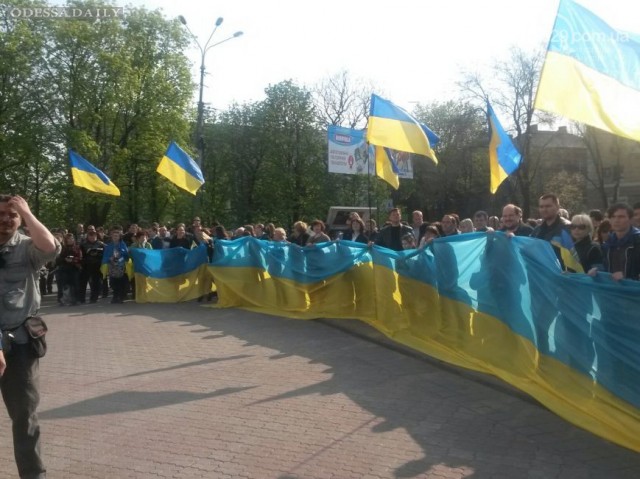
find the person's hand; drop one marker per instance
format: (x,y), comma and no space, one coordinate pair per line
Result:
(617,276)
(20,205)
(592,272)
(3,363)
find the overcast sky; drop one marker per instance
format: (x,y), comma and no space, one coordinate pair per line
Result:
(411,50)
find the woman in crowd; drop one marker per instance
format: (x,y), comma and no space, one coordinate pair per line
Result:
(279,235)
(589,251)
(220,233)
(602,232)
(371,230)
(356,232)
(269,230)
(430,233)
(466,226)
(181,240)
(319,236)
(300,235)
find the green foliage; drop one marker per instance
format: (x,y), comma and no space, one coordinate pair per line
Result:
(570,189)
(459,182)
(116,91)
(119,90)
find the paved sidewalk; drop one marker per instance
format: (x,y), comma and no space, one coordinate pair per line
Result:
(185,391)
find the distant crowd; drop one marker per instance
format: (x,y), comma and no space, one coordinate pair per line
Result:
(608,241)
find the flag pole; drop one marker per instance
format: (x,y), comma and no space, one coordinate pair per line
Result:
(369,179)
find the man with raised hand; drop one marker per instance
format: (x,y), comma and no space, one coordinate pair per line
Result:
(21,258)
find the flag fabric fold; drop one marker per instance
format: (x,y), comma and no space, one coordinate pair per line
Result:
(386,168)
(87,176)
(504,157)
(590,73)
(179,168)
(392,127)
(568,252)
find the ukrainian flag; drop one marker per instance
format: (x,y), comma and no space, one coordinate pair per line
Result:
(392,127)
(590,73)
(87,176)
(486,302)
(504,158)
(568,253)
(179,168)
(386,168)
(170,275)
(332,280)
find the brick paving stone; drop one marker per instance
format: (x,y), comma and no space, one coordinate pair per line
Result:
(185,391)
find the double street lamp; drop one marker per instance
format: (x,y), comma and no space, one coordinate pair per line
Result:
(199,134)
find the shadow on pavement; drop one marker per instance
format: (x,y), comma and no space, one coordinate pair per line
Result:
(456,422)
(127,401)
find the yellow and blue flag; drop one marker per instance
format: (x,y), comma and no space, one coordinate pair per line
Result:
(180,169)
(386,167)
(504,158)
(87,176)
(392,127)
(170,275)
(590,73)
(568,253)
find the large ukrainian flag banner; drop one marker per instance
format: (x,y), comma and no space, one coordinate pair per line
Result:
(328,280)
(485,302)
(590,73)
(170,275)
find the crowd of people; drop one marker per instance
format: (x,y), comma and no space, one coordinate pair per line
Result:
(92,257)
(79,264)
(602,241)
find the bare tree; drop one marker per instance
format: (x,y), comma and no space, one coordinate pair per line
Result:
(606,152)
(342,101)
(511,88)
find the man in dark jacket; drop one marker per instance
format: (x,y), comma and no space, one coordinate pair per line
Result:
(554,229)
(512,221)
(92,250)
(621,251)
(391,235)
(552,224)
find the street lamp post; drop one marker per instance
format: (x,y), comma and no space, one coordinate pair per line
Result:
(199,133)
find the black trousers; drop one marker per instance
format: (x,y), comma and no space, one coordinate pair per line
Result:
(93,277)
(20,386)
(119,287)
